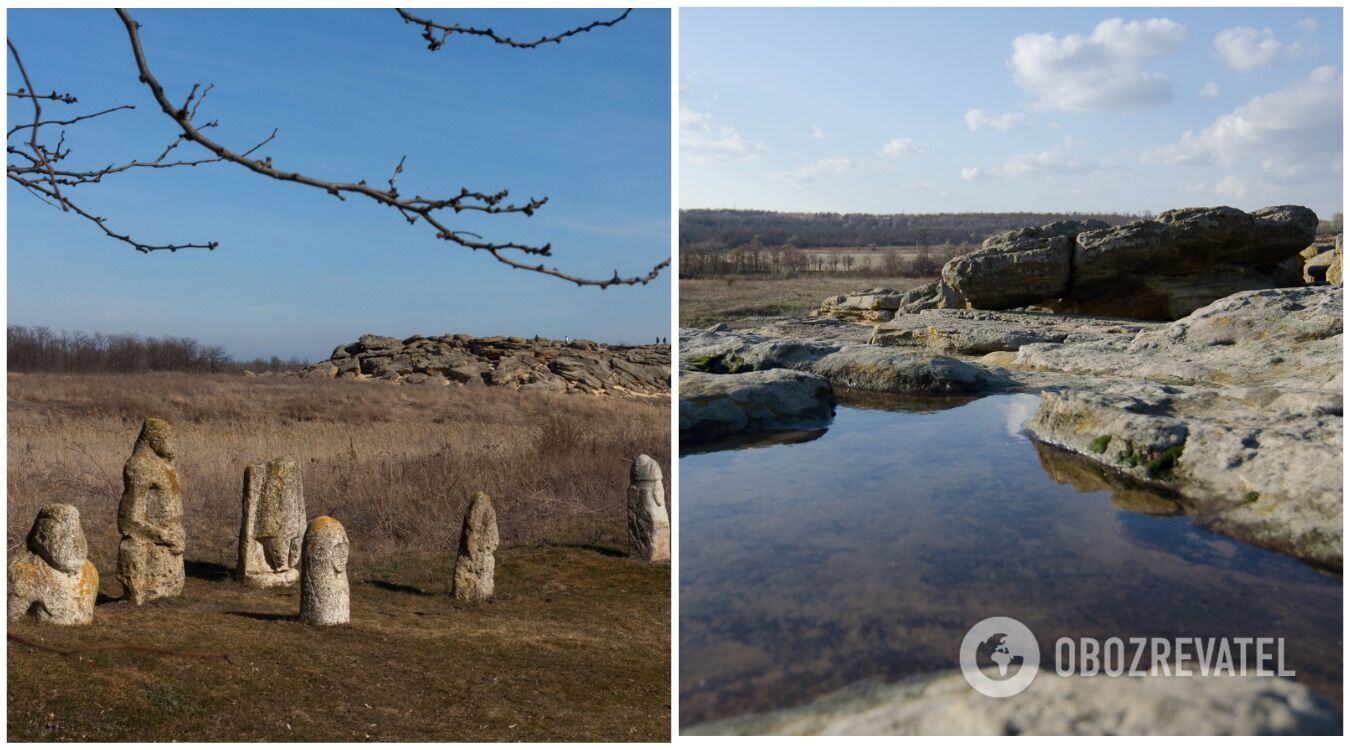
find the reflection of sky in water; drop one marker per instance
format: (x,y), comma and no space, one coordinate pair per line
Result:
(869,552)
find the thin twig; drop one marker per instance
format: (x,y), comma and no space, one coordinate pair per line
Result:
(412,209)
(430,29)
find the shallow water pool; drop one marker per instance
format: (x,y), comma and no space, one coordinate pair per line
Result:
(867,551)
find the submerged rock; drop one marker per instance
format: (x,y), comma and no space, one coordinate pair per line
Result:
(944,704)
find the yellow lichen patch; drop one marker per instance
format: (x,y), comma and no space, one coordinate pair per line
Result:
(88,580)
(324,522)
(26,570)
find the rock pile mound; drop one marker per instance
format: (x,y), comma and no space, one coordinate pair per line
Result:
(524,364)
(1152,269)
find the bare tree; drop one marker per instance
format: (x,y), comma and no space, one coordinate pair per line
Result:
(40,167)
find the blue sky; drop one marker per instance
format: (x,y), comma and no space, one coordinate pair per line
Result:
(924,110)
(586,123)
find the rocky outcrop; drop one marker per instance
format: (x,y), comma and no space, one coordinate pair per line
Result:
(1238,407)
(150,518)
(944,704)
(506,361)
(714,406)
(1235,408)
(864,306)
(1152,269)
(52,580)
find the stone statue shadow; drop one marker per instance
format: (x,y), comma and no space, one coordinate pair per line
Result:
(265,616)
(402,588)
(207,571)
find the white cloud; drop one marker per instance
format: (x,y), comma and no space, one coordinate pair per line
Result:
(817,133)
(1100,72)
(1048,163)
(1307,24)
(898,148)
(978,119)
(704,140)
(1209,90)
(1245,49)
(970,173)
(1292,133)
(1231,187)
(810,175)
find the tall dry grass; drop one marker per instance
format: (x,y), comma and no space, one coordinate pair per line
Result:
(396,464)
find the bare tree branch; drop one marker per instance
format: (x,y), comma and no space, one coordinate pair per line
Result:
(436,34)
(38,174)
(412,209)
(37,122)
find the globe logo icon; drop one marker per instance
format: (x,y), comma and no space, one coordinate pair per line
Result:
(1000,657)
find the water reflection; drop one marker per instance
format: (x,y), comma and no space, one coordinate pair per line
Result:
(868,551)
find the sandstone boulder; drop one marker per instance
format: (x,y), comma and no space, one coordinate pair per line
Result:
(272,528)
(52,580)
(150,518)
(475,564)
(1153,269)
(324,594)
(648,521)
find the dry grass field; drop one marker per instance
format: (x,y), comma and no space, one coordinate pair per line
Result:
(576,646)
(706,301)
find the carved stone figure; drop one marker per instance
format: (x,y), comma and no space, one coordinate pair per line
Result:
(272,528)
(52,580)
(474,565)
(648,520)
(150,518)
(324,595)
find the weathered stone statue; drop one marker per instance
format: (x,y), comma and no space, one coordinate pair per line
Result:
(52,580)
(150,518)
(477,541)
(273,524)
(648,521)
(324,596)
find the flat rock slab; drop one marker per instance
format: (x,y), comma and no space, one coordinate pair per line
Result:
(945,704)
(715,406)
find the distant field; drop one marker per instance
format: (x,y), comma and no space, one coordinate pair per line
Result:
(704,302)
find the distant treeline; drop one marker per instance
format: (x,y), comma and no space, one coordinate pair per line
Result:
(39,349)
(728,229)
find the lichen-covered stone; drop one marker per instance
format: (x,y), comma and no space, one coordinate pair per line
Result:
(272,528)
(325,598)
(51,580)
(475,564)
(150,518)
(648,520)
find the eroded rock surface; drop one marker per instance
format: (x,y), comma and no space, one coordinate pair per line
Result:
(648,519)
(272,526)
(944,704)
(1153,269)
(150,518)
(715,406)
(1236,407)
(325,598)
(504,361)
(475,564)
(52,580)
